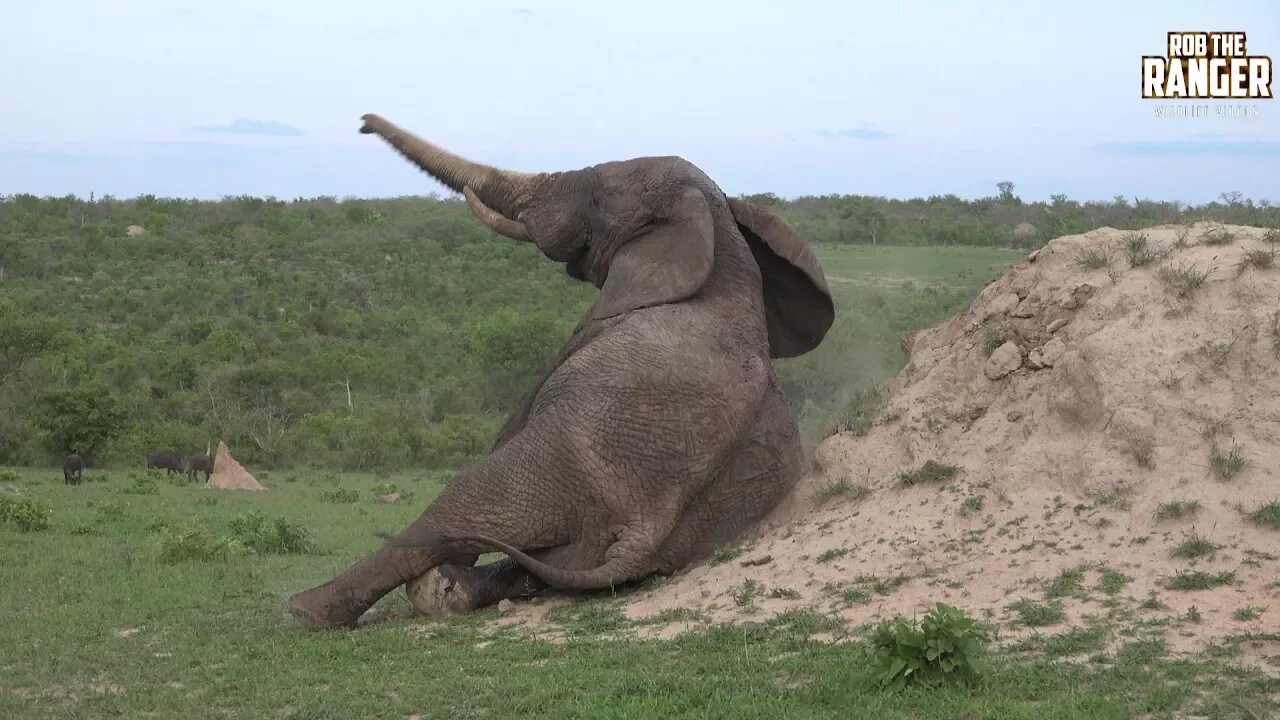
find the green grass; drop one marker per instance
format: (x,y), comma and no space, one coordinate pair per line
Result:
(1177,509)
(1195,547)
(1037,614)
(97,625)
(1225,466)
(1267,515)
(1199,580)
(931,472)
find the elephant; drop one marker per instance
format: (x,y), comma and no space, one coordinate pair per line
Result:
(659,432)
(72,469)
(165,460)
(199,463)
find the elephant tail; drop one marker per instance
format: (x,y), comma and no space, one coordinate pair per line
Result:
(614,571)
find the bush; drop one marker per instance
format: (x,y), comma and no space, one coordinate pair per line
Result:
(9,476)
(142,485)
(340,495)
(180,543)
(24,514)
(948,644)
(267,536)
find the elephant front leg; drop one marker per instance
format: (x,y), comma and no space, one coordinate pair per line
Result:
(453,589)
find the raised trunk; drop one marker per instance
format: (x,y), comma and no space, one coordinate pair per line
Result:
(497,188)
(340,602)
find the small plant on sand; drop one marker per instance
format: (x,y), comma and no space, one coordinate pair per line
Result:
(1260,259)
(1119,497)
(840,489)
(725,554)
(1111,582)
(1069,582)
(971,505)
(1249,612)
(1225,466)
(1143,452)
(1267,516)
(1195,547)
(1218,352)
(1094,258)
(1272,236)
(24,515)
(1177,509)
(1035,614)
(1138,250)
(832,554)
(1193,615)
(863,411)
(1199,580)
(1184,279)
(1217,235)
(946,645)
(744,596)
(1182,237)
(992,338)
(930,472)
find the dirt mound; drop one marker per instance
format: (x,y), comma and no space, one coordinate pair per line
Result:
(229,474)
(1098,434)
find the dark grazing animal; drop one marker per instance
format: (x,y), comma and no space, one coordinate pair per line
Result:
(199,463)
(72,469)
(165,460)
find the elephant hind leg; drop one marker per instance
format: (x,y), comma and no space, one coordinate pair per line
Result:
(454,589)
(341,601)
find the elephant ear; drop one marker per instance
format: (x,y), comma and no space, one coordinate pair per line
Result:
(665,264)
(797,300)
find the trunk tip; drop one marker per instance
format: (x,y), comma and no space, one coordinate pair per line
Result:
(371,120)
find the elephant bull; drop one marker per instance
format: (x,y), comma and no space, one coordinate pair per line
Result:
(165,460)
(660,430)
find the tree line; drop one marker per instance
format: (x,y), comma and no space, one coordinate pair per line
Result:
(373,333)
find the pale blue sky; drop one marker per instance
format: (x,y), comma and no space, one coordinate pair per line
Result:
(201,99)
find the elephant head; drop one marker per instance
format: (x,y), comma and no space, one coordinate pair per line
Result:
(660,429)
(640,230)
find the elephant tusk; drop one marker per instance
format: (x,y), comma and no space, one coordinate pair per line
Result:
(496,221)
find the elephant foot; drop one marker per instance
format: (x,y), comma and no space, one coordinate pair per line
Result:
(320,608)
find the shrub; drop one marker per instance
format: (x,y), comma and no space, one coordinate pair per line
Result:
(142,485)
(25,514)
(948,644)
(180,543)
(340,495)
(267,536)
(9,476)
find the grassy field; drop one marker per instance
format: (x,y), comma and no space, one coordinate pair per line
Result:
(113,612)
(150,598)
(963,268)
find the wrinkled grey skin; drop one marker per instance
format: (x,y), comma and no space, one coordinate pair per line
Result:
(72,469)
(199,463)
(165,460)
(660,431)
